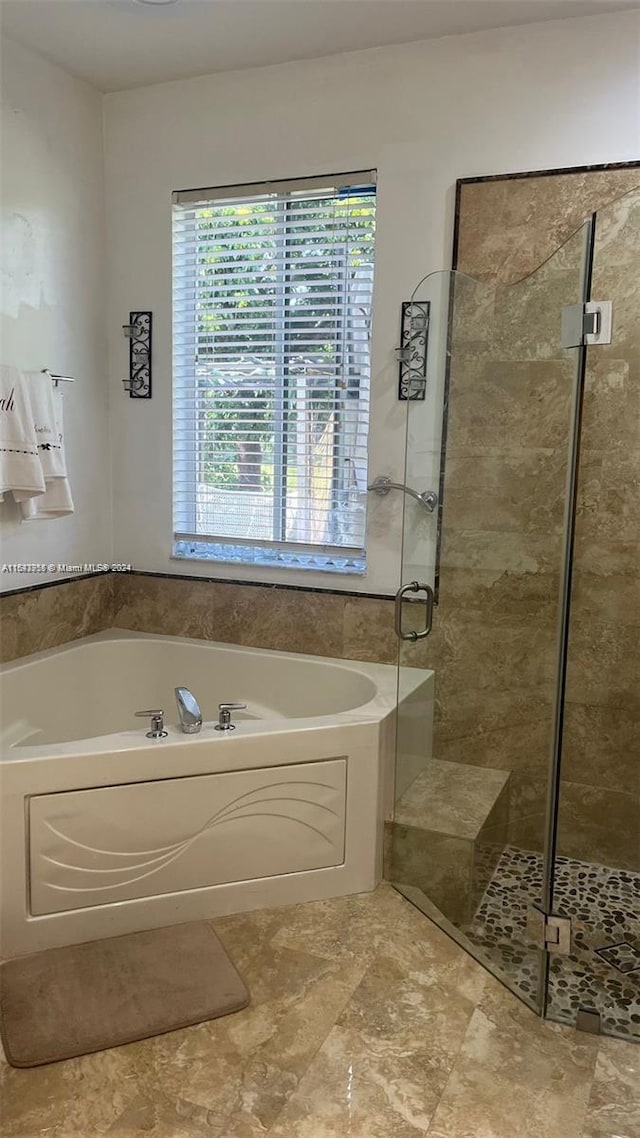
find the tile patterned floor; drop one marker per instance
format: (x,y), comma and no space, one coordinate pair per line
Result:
(366,1021)
(603,904)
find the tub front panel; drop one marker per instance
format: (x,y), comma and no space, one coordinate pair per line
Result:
(108,844)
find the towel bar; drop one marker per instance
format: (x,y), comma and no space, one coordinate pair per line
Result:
(57,378)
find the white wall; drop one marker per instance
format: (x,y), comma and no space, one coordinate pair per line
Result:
(542,96)
(53,294)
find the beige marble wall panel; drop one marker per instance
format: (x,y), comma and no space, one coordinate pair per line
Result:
(368,631)
(609,494)
(289,620)
(599,825)
(494,689)
(509,227)
(44,618)
(237,614)
(477,713)
(614,598)
(518,490)
(519,747)
(528,803)
(490,657)
(508,419)
(509,405)
(601,747)
(604,665)
(527,319)
(497,551)
(323,624)
(500,596)
(611,411)
(600,799)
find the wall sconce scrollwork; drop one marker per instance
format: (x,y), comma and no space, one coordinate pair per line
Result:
(138,333)
(412,353)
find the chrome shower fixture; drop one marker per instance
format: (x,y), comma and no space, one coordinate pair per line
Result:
(381,485)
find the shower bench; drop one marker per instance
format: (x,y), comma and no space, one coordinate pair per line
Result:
(450,828)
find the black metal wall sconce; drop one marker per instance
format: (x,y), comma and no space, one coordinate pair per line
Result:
(412,353)
(138,333)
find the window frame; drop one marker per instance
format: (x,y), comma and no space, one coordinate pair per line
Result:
(188,543)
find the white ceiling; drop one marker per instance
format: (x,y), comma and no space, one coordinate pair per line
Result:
(115,44)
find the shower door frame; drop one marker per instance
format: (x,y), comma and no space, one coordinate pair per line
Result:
(545,908)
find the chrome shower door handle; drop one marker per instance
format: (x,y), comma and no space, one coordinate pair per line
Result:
(413,587)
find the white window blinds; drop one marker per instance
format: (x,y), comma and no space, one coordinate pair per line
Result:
(272,289)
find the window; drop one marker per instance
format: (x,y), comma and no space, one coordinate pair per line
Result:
(272,290)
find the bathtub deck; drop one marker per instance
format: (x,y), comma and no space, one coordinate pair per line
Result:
(365,1021)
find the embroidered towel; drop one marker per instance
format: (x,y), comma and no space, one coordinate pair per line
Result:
(20,467)
(46,404)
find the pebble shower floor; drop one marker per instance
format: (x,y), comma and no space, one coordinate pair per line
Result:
(603,970)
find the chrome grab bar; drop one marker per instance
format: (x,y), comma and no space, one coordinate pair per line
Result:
(381,485)
(413,587)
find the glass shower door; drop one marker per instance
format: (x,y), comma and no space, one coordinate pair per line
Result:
(595,862)
(477,695)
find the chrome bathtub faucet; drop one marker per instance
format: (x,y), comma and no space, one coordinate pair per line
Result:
(189,711)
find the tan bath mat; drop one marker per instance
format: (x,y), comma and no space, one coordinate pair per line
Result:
(87,997)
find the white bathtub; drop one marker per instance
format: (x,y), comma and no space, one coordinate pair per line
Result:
(105,831)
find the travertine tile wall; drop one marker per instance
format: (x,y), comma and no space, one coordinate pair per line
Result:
(291,620)
(494,647)
(46,617)
(505,475)
(600,789)
(288,620)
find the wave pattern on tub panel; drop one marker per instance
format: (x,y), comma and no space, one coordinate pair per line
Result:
(110,844)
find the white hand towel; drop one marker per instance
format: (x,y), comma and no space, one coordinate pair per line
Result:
(20,466)
(54,503)
(46,403)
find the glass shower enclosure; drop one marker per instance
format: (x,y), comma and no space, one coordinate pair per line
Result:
(516,824)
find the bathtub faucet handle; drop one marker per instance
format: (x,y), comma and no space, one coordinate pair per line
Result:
(224,717)
(156,730)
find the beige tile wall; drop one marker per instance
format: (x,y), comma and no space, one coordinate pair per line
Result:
(494,643)
(43,618)
(291,620)
(600,791)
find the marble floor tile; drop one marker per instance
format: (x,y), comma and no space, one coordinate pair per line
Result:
(242,1068)
(160,1117)
(79,1098)
(516,1076)
(370,925)
(366,1021)
(383,1067)
(613,1110)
